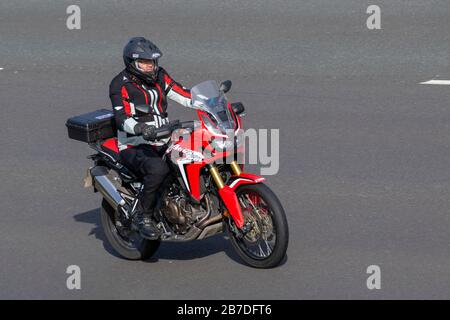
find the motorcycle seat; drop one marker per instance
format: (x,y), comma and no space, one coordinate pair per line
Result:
(110,147)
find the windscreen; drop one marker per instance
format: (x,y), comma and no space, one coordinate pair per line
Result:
(207,96)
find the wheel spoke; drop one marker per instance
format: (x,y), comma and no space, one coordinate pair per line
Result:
(261,251)
(242,202)
(269,248)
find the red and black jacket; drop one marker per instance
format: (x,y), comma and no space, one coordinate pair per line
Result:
(127,91)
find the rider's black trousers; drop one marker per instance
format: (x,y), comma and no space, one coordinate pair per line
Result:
(145,162)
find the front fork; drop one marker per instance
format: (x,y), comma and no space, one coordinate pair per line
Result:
(227,194)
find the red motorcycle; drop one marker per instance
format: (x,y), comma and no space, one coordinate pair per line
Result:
(206,192)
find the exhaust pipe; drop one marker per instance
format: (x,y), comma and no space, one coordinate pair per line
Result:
(106,187)
(211,230)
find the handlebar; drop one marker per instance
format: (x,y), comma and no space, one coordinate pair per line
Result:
(166,130)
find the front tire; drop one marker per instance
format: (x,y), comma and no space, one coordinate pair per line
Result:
(268,214)
(139,249)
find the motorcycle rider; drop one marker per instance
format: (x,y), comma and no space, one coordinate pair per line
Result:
(143,81)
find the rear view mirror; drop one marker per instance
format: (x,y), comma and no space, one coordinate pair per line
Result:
(238,108)
(225,86)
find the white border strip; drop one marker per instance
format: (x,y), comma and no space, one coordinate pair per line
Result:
(437,82)
(237,180)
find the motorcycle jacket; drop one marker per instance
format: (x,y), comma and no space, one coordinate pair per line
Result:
(127,91)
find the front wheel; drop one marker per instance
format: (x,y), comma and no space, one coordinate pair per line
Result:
(264,242)
(127,243)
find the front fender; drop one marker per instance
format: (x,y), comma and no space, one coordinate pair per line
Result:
(228,195)
(244,178)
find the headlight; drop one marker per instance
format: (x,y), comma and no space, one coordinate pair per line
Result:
(222,144)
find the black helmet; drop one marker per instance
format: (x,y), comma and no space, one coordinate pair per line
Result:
(139,48)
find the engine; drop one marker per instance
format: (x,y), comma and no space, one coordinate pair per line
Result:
(179,212)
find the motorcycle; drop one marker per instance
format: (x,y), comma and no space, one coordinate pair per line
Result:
(207,191)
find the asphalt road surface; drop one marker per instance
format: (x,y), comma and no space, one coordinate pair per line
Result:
(364,148)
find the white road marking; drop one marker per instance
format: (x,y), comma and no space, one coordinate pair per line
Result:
(438,82)
(1,68)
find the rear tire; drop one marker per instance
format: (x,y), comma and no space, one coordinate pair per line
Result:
(279,226)
(141,250)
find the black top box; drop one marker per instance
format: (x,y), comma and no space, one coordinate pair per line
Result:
(93,126)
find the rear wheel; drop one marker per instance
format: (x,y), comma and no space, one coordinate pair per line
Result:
(127,243)
(264,242)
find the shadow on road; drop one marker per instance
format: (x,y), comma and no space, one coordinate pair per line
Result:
(93,217)
(168,250)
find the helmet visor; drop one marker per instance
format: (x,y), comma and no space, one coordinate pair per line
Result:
(146,66)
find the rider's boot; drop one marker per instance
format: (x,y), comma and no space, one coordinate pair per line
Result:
(148,228)
(147,225)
